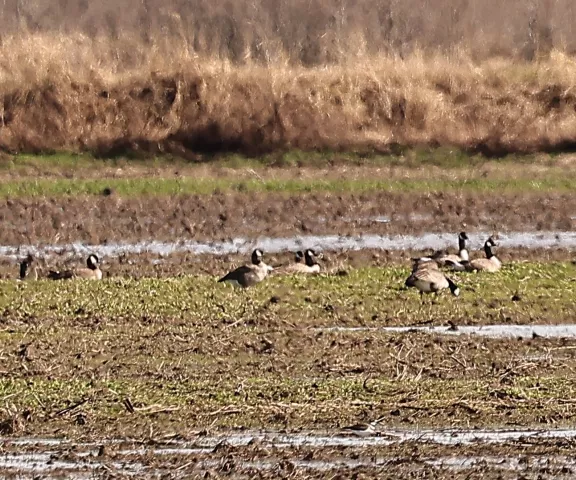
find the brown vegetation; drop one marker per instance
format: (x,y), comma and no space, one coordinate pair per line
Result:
(210,76)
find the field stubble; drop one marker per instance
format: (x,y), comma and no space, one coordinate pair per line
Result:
(132,357)
(162,358)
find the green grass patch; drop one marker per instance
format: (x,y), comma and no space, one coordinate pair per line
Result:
(367,296)
(277,402)
(66,162)
(219,356)
(38,392)
(205,186)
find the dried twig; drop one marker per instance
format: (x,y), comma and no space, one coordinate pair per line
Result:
(225,411)
(71,407)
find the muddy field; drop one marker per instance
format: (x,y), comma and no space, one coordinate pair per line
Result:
(160,372)
(503,455)
(232,223)
(232,214)
(296,378)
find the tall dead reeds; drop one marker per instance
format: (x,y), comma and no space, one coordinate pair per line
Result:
(252,77)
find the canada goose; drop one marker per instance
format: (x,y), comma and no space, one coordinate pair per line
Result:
(248,275)
(298,257)
(310,264)
(25,273)
(452,260)
(430,280)
(424,263)
(444,259)
(92,272)
(489,264)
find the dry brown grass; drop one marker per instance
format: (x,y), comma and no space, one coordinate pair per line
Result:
(253,77)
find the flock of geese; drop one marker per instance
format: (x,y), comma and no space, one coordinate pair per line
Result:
(427,275)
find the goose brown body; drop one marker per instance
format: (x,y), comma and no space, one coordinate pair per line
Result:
(489,264)
(427,278)
(451,260)
(249,275)
(424,263)
(310,264)
(444,259)
(91,272)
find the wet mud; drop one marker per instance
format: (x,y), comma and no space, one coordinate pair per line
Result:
(383,453)
(223,216)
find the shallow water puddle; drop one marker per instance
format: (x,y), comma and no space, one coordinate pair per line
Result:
(375,219)
(431,241)
(383,437)
(47,465)
(345,438)
(46,462)
(491,331)
(448,462)
(524,462)
(57,457)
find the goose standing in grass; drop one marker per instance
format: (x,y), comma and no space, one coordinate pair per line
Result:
(92,272)
(25,273)
(310,264)
(489,264)
(249,275)
(427,278)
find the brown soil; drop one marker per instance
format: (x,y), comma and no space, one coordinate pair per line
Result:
(170,355)
(211,376)
(220,217)
(171,350)
(251,215)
